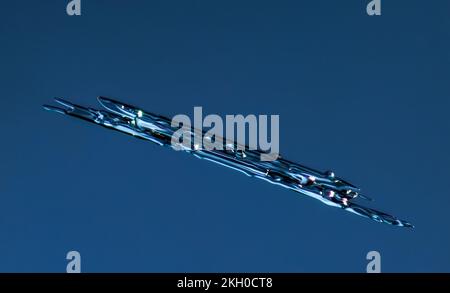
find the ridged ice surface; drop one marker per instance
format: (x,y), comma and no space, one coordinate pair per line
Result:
(324,186)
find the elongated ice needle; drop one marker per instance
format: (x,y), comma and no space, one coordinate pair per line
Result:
(324,186)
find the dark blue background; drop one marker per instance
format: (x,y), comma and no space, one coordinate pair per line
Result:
(365,96)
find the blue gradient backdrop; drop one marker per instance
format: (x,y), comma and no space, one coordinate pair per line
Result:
(365,96)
